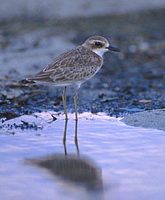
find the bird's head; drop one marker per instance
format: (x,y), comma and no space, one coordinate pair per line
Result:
(99,45)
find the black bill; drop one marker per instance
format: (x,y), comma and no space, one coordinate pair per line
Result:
(111,48)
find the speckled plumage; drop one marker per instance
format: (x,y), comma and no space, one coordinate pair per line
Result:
(74,66)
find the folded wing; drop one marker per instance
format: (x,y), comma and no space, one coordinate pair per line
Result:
(77,64)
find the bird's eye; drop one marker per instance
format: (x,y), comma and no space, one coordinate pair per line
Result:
(98,44)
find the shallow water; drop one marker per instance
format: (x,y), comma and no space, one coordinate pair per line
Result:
(116,161)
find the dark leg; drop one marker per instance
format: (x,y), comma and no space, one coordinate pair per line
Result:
(76,105)
(64,103)
(65,130)
(65,149)
(76,114)
(76,138)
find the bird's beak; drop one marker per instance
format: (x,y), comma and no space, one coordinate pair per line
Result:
(111,48)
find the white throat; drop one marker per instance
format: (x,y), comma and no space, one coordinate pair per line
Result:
(100,52)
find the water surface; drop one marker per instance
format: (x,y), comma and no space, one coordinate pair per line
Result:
(116,161)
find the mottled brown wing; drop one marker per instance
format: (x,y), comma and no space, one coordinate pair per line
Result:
(75,65)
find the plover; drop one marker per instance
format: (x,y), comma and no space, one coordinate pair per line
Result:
(75,67)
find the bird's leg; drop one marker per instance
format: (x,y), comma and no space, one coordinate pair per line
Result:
(75,105)
(65,149)
(76,113)
(76,117)
(76,138)
(64,103)
(64,136)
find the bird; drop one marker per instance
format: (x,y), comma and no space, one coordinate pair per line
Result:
(75,66)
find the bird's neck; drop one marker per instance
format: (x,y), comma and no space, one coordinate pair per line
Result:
(99,52)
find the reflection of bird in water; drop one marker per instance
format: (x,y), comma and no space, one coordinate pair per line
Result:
(72,168)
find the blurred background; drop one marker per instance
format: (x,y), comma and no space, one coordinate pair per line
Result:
(32,33)
(53,9)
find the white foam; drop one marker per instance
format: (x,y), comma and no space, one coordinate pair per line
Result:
(84,115)
(43,119)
